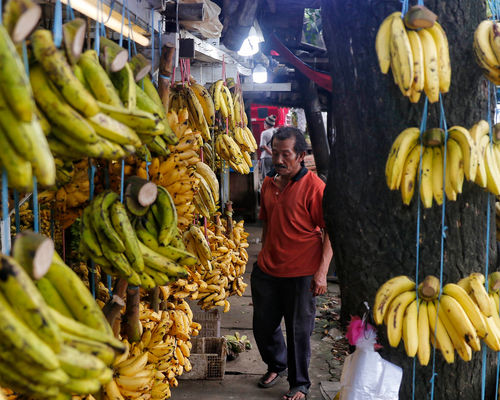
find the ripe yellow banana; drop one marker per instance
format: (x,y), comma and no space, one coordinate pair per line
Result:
(431,85)
(410,170)
(410,329)
(395,318)
(426,183)
(464,139)
(442,338)
(383,41)
(401,55)
(456,165)
(418,61)
(459,342)
(400,149)
(443,53)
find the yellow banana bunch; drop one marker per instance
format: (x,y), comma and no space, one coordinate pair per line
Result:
(222,265)
(487,49)
(419,60)
(457,319)
(410,163)
(199,104)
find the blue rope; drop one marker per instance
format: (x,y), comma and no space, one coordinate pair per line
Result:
(123,22)
(1,13)
(36,222)
(152,41)
(16,207)
(5,213)
(148,163)
(423,125)
(91,174)
(404,8)
(57,29)
(131,34)
(70,15)
(487,258)
(160,29)
(444,126)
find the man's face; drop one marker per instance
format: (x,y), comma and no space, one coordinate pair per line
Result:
(285,160)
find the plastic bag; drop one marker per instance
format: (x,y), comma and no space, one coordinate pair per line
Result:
(366,375)
(210,27)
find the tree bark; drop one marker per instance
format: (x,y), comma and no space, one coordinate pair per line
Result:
(316,126)
(373,233)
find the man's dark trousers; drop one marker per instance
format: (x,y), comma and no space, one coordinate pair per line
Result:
(274,298)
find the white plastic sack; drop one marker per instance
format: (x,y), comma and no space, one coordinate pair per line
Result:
(210,27)
(367,376)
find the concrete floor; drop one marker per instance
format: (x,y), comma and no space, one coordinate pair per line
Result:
(241,375)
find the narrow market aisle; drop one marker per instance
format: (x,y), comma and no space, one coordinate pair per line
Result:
(240,380)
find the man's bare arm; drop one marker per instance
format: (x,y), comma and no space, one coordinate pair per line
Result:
(318,285)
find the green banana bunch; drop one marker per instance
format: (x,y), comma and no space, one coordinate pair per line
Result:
(138,248)
(38,357)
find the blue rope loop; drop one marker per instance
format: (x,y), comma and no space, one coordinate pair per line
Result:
(70,15)
(57,29)
(152,40)
(404,7)
(423,126)
(5,213)
(36,218)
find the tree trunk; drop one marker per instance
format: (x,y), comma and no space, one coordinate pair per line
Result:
(316,126)
(373,233)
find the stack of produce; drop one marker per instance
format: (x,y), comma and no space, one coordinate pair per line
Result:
(55,339)
(416,49)
(222,264)
(150,366)
(196,99)
(176,172)
(487,49)
(241,133)
(92,110)
(25,151)
(140,247)
(463,314)
(403,164)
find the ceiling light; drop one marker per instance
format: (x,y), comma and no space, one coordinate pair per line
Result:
(90,9)
(259,74)
(250,45)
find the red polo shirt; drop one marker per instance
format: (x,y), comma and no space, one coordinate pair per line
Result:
(294,216)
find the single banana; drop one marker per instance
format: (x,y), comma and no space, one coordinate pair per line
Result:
(401,54)
(410,329)
(431,85)
(459,319)
(442,338)
(426,183)
(395,316)
(456,165)
(468,305)
(418,61)
(443,52)
(383,40)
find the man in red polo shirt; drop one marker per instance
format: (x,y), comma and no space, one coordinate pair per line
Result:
(292,264)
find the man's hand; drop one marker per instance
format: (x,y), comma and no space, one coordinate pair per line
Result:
(318,283)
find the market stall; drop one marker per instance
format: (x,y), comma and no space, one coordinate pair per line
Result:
(117,224)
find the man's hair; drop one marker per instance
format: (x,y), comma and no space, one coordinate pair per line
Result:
(287,132)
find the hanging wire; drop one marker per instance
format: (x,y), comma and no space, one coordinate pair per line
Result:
(423,127)
(5,213)
(91,174)
(152,41)
(70,15)
(57,29)
(404,8)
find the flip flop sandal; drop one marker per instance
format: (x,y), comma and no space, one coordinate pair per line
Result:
(269,384)
(293,391)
